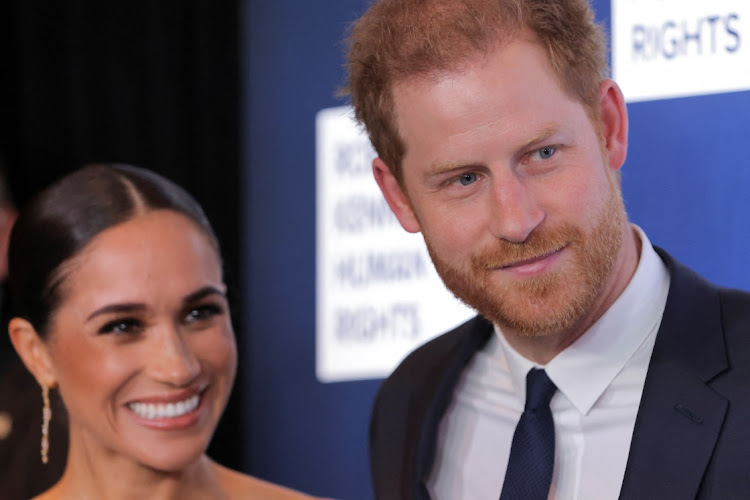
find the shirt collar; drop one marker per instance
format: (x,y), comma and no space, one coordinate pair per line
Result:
(604,350)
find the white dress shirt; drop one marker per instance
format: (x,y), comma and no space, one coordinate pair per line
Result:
(599,378)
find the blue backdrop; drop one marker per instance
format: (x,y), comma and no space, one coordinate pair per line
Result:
(685,182)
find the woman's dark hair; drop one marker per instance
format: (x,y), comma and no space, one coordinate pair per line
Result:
(67,215)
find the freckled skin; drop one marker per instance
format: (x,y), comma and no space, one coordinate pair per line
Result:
(503,168)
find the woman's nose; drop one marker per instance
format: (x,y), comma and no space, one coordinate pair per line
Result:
(172,361)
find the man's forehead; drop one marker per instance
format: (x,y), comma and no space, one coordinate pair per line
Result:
(457,66)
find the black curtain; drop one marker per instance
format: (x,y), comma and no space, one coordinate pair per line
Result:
(152,83)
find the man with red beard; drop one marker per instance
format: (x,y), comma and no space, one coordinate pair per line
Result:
(597,367)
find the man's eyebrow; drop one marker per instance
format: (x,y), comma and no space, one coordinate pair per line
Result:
(544,133)
(441,167)
(547,130)
(127,307)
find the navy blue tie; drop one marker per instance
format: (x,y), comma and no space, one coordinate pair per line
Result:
(532,452)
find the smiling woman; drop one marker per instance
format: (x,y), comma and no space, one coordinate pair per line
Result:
(119,303)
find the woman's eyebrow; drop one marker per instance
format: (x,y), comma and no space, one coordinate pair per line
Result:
(127,307)
(203,292)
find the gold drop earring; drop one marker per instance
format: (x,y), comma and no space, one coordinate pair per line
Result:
(46,417)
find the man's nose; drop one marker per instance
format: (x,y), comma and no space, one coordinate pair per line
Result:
(515,211)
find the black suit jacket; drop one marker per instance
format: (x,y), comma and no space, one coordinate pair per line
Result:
(692,434)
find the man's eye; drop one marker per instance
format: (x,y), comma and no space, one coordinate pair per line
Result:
(467,179)
(120,326)
(546,152)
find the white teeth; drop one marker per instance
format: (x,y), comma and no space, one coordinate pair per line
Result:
(170,410)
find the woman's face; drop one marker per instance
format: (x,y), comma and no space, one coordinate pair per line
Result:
(142,345)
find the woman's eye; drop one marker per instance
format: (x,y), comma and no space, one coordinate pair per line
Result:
(468,178)
(546,152)
(120,326)
(203,312)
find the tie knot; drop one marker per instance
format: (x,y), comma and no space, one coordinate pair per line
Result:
(539,389)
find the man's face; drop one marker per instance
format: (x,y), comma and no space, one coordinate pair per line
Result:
(515,194)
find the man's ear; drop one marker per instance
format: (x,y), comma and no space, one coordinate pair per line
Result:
(614,119)
(395,196)
(33,351)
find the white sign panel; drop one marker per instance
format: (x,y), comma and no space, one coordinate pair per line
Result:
(676,48)
(378,294)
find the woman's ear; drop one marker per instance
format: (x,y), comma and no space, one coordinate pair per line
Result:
(33,351)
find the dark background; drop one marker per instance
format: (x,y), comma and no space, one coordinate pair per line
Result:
(153,84)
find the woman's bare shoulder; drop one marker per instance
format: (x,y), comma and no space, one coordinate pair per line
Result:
(242,486)
(51,494)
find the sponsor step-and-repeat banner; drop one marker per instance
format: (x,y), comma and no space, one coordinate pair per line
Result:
(675,48)
(378,294)
(370,294)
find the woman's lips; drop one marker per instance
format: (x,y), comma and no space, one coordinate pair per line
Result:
(172,412)
(164,410)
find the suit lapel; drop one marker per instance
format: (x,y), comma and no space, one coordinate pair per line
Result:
(479,330)
(675,434)
(680,416)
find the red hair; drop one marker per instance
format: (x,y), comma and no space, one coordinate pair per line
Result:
(399,39)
